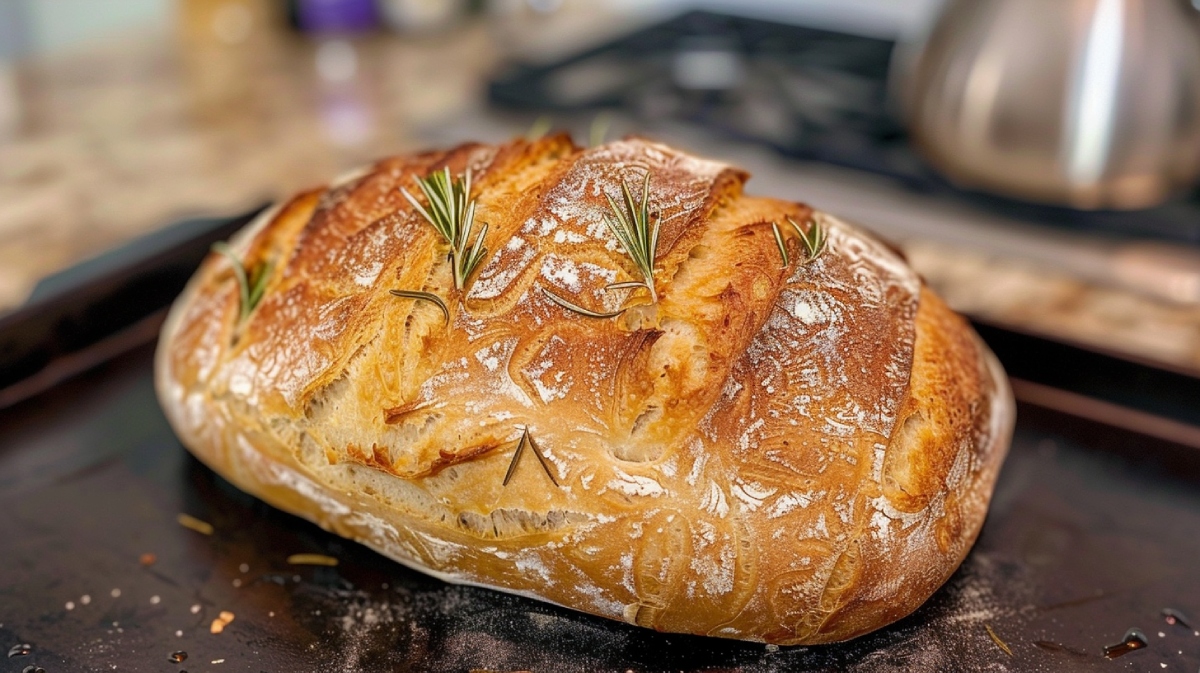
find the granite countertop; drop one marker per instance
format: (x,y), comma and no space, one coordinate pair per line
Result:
(109,141)
(124,136)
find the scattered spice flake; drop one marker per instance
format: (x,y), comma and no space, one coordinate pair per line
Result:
(222,620)
(21,650)
(996,639)
(1051,646)
(1173,616)
(149,559)
(1134,640)
(312,560)
(189,521)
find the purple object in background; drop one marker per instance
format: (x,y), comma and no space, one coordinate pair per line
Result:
(336,16)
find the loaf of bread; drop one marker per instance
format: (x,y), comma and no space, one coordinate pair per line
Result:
(795,452)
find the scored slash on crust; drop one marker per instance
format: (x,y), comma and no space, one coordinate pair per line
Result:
(527,440)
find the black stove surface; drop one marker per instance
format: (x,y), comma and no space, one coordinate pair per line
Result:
(811,94)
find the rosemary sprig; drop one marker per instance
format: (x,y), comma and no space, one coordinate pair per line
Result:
(251,286)
(638,235)
(813,240)
(451,211)
(425,296)
(527,440)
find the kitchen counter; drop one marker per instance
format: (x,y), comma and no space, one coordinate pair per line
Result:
(123,136)
(108,141)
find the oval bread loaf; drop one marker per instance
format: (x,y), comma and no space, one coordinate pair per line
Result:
(795,453)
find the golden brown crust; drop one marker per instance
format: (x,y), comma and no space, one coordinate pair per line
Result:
(794,455)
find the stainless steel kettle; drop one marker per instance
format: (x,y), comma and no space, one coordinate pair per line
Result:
(1084,103)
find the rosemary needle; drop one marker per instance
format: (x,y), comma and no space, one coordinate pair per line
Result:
(527,441)
(783,251)
(512,465)
(251,286)
(537,451)
(570,306)
(623,285)
(425,296)
(189,521)
(312,560)
(996,639)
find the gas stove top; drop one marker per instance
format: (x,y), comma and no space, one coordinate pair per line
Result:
(810,94)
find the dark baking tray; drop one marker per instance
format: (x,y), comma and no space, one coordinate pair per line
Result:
(1094,529)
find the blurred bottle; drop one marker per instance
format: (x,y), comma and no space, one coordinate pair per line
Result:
(222,45)
(333,16)
(225,23)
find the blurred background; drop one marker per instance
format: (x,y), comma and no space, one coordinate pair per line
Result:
(1037,160)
